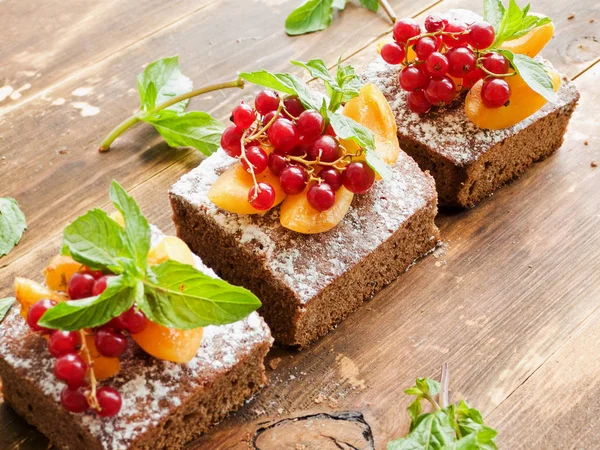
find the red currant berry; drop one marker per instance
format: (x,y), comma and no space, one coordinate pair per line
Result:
(461,61)
(495,92)
(266,101)
(412,78)
(231,141)
(243,116)
(326,148)
(277,163)
(496,63)
(440,91)
(62,342)
(81,285)
(404,29)
(437,65)
(470,79)
(458,39)
(293,106)
(310,124)
(392,53)
(320,196)
(258,158)
(358,177)
(263,197)
(433,23)
(110,343)
(417,102)
(481,35)
(425,47)
(283,134)
(332,177)
(132,320)
(36,312)
(100,285)
(73,399)
(94,273)
(71,369)
(109,401)
(293,180)
(268,117)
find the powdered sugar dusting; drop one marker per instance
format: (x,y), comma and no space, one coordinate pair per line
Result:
(371,220)
(448,130)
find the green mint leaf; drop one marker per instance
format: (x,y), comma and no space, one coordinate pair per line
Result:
(348,81)
(510,23)
(481,440)
(120,294)
(180,296)
(493,11)
(161,81)
(12,224)
(339,4)
(533,73)
(414,410)
(137,230)
(5,305)
(318,69)
(312,15)
(191,129)
(433,431)
(529,23)
(97,241)
(428,386)
(347,128)
(373,5)
(286,83)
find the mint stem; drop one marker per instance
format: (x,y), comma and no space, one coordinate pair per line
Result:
(445,382)
(388,10)
(128,123)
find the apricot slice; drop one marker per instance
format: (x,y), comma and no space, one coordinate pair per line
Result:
(27,292)
(170,247)
(371,109)
(531,43)
(524,101)
(230,191)
(170,344)
(59,272)
(104,366)
(297,215)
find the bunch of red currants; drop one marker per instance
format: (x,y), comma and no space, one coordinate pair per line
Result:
(69,346)
(449,56)
(296,145)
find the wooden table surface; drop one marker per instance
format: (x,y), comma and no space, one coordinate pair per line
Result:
(511,301)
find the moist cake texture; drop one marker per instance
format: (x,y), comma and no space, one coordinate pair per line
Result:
(309,283)
(165,404)
(468,162)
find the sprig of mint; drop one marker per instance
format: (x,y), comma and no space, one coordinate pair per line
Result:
(5,305)
(164,95)
(448,426)
(12,224)
(512,23)
(171,294)
(316,15)
(340,89)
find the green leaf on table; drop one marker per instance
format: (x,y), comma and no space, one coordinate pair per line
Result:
(161,81)
(312,15)
(120,294)
(286,83)
(533,73)
(514,22)
(433,431)
(189,129)
(347,128)
(493,11)
(180,296)
(97,241)
(5,305)
(137,230)
(372,5)
(12,224)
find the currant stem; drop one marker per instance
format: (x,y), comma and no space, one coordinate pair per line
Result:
(92,399)
(128,123)
(388,10)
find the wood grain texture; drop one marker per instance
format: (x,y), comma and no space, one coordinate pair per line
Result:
(515,288)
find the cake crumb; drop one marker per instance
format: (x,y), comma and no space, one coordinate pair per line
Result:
(571,16)
(594,164)
(586,143)
(274,363)
(592,20)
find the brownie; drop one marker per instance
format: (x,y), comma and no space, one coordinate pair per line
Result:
(165,404)
(309,283)
(468,162)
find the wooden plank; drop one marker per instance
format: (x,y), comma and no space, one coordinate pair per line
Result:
(557,407)
(59,151)
(46,41)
